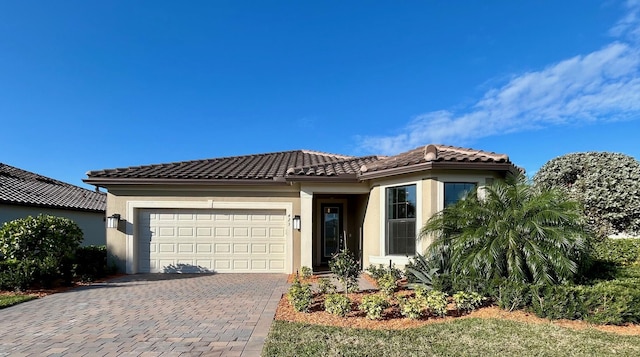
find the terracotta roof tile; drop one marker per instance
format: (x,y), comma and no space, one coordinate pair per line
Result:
(292,165)
(27,188)
(436,153)
(250,167)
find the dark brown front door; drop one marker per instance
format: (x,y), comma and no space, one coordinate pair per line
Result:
(332,230)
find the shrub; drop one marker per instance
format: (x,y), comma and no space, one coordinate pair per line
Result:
(39,237)
(614,302)
(607,184)
(337,304)
(559,301)
(91,263)
(305,272)
(618,251)
(412,307)
(373,306)
(436,303)
(387,284)
(16,275)
(465,301)
(326,286)
(513,295)
(381,270)
(300,296)
(346,269)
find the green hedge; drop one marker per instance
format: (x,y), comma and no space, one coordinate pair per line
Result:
(619,251)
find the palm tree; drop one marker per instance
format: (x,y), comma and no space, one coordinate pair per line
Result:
(512,231)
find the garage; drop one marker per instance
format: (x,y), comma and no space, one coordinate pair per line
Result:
(215,240)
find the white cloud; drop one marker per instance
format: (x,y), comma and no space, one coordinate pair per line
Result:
(602,85)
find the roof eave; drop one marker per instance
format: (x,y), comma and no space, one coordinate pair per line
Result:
(347,178)
(43,205)
(104,182)
(433,165)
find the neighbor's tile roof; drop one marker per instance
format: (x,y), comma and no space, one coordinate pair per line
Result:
(27,188)
(249,167)
(439,153)
(289,165)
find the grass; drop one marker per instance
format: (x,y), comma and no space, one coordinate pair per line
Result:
(465,337)
(10,300)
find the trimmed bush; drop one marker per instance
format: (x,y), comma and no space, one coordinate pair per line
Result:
(373,306)
(16,275)
(466,302)
(326,286)
(305,272)
(91,263)
(607,184)
(412,307)
(436,303)
(618,251)
(300,296)
(337,304)
(387,284)
(513,295)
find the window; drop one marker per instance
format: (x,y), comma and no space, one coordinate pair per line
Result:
(455,191)
(401,220)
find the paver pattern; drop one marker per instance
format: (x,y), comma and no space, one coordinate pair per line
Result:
(148,315)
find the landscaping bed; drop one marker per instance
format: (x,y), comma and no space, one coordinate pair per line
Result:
(392,318)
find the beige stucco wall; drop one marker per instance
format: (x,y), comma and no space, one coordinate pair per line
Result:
(91,223)
(430,191)
(121,200)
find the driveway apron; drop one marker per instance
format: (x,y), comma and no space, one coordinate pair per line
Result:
(148,315)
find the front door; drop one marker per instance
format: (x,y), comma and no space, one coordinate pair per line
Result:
(332,230)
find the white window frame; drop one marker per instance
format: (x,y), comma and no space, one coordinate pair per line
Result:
(385,257)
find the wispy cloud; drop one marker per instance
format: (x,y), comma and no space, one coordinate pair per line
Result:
(603,85)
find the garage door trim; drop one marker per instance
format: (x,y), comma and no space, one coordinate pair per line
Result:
(133,206)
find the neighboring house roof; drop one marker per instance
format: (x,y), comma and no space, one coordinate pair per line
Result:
(301,165)
(22,187)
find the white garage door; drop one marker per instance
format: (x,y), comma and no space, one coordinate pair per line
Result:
(222,241)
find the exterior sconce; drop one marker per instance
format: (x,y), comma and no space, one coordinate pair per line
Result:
(113,220)
(296,222)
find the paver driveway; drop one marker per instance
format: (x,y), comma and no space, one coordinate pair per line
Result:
(148,315)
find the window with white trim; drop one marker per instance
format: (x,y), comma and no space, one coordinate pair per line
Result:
(401,220)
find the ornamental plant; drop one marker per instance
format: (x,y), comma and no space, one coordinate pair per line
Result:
(436,303)
(337,304)
(515,231)
(412,307)
(387,284)
(346,269)
(373,306)
(465,301)
(300,296)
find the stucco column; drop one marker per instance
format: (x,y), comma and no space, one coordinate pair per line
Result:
(306,228)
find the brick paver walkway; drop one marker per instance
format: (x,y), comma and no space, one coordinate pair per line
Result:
(148,315)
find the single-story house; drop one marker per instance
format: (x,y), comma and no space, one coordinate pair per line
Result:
(24,193)
(277,212)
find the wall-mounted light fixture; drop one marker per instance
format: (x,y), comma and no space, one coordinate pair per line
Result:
(113,221)
(296,222)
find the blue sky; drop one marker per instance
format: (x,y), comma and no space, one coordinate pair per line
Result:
(87,85)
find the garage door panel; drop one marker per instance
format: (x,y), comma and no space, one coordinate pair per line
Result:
(211,240)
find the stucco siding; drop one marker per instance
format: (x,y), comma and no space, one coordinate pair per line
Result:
(91,223)
(128,202)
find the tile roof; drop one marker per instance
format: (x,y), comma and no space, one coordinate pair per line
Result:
(291,166)
(436,153)
(22,187)
(250,167)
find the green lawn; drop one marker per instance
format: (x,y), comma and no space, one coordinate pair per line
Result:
(9,300)
(464,337)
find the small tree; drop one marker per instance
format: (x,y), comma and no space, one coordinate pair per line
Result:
(515,232)
(346,269)
(606,184)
